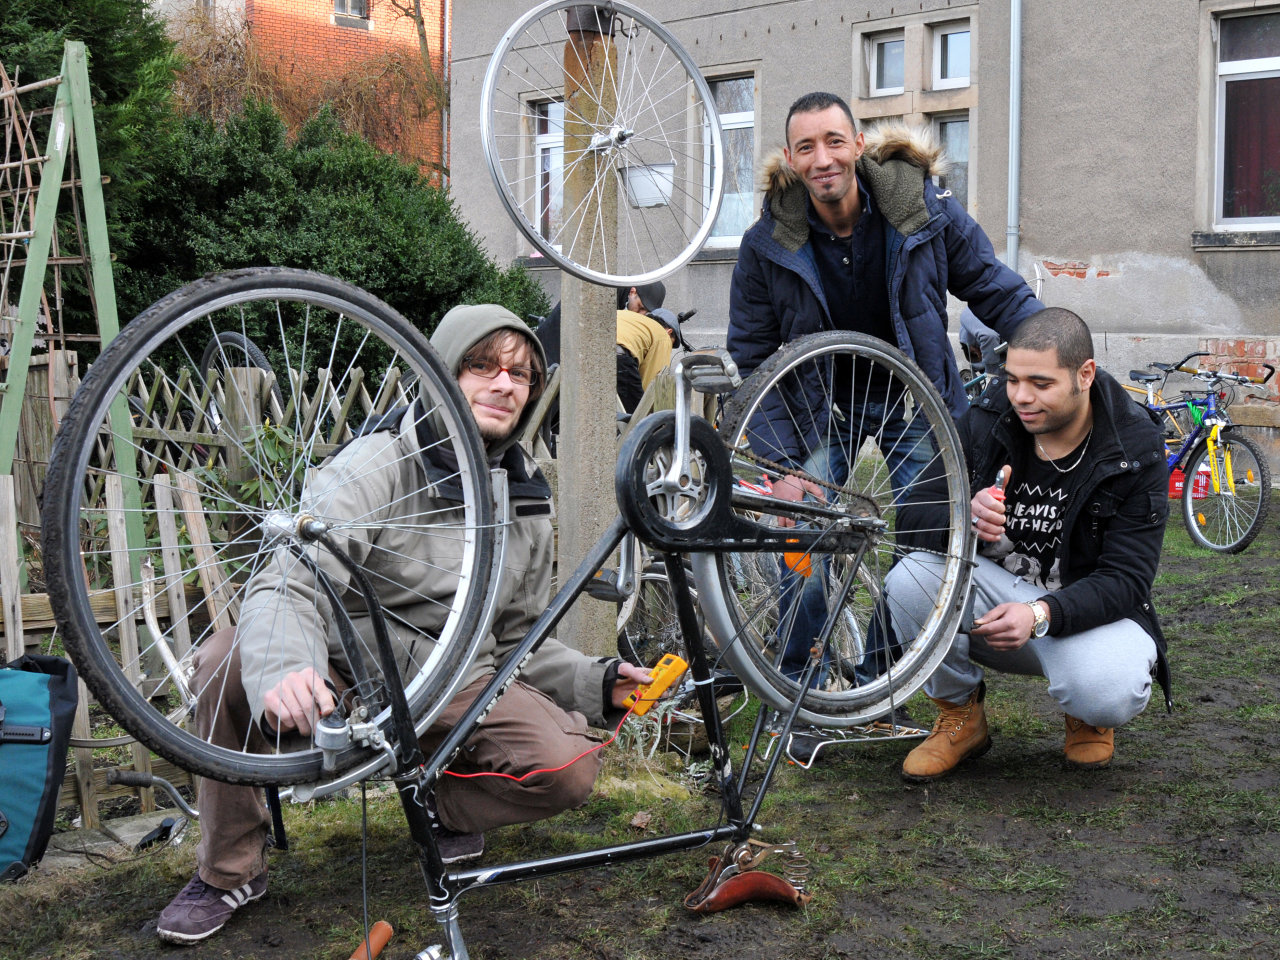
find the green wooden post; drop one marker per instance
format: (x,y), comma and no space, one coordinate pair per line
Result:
(71,125)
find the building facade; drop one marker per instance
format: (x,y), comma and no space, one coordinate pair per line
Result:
(1147,157)
(364,55)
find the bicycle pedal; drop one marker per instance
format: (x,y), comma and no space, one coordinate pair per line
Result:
(604,586)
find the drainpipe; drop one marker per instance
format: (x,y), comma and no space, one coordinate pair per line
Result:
(448,104)
(1015,133)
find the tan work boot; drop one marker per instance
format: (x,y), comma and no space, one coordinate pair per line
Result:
(1088,747)
(959,733)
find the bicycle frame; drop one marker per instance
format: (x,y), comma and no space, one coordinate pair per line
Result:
(415,775)
(418,776)
(1215,423)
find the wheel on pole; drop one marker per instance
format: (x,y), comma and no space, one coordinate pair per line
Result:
(847,414)
(1226,513)
(640,130)
(159,533)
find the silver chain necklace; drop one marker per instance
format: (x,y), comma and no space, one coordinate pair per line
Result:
(1053,463)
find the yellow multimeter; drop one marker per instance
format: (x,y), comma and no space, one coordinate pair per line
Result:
(667,671)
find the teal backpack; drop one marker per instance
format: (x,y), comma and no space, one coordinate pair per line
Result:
(37,706)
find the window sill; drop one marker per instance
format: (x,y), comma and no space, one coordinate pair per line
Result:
(535,263)
(353,23)
(725,254)
(1235,240)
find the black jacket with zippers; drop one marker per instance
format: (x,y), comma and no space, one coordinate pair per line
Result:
(1116,508)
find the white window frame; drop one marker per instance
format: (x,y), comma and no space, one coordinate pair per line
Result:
(348,12)
(873,62)
(739,120)
(952,83)
(936,121)
(1263,68)
(544,141)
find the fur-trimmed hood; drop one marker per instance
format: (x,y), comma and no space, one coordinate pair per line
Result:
(897,159)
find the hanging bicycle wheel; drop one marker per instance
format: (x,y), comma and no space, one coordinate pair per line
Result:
(1227,493)
(855,420)
(160,531)
(633,192)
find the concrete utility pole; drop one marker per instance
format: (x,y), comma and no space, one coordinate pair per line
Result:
(588,396)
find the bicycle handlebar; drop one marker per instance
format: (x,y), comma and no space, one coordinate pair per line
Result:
(1168,368)
(1211,375)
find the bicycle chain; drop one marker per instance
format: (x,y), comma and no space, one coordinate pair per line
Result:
(786,471)
(870,506)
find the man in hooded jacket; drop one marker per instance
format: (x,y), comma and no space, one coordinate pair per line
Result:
(279,669)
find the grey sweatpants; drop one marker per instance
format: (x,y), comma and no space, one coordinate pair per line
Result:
(1101,676)
(525,735)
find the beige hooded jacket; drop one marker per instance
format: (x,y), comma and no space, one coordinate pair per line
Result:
(397,514)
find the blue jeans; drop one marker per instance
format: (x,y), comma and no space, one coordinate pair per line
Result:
(907,449)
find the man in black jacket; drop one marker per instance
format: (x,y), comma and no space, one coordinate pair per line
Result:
(1070,538)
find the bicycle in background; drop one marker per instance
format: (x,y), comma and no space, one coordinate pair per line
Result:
(1222,477)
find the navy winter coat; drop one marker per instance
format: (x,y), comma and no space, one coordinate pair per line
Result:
(932,246)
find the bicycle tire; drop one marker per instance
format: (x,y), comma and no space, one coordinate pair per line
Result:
(230,348)
(797,388)
(1228,520)
(650,127)
(365,344)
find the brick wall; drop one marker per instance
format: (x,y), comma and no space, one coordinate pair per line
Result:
(300,41)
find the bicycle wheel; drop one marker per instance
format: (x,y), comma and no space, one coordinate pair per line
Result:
(1225,516)
(634,192)
(853,415)
(152,545)
(653,628)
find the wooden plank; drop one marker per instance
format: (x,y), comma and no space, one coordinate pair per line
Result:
(10,571)
(80,776)
(218,597)
(126,609)
(173,595)
(37,614)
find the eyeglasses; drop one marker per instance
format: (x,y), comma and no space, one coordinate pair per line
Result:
(489,370)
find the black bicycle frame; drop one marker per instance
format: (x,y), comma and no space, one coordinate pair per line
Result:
(414,783)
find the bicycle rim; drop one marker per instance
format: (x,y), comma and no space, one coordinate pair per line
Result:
(217,514)
(636,190)
(807,398)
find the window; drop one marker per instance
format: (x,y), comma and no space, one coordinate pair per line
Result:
(548,148)
(888,64)
(951,57)
(735,101)
(953,134)
(351,8)
(1247,164)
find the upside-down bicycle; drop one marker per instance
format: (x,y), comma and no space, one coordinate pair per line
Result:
(204,505)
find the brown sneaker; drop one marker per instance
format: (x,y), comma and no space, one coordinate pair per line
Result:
(960,732)
(1088,747)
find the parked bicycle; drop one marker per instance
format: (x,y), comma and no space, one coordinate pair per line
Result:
(1224,477)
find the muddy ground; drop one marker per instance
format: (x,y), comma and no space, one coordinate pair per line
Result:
(1171,852)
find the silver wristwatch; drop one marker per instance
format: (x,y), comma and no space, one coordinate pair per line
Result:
(1041,626)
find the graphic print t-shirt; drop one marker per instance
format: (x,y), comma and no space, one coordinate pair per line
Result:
(1034,509)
